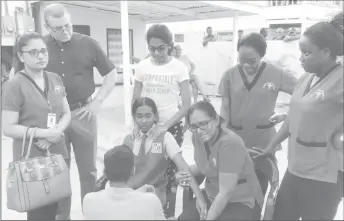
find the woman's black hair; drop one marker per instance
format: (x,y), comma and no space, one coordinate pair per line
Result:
(208,109)
(328,35)
(21,42)
(254,40)
(161,32)
(144,101)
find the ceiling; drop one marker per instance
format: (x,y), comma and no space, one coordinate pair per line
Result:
(172,11)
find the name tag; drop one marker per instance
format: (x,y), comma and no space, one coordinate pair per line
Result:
(156,148)
(51,120)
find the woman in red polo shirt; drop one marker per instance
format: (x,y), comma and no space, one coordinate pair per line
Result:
(35,98)
(232,188)
(249,94)
(312,185)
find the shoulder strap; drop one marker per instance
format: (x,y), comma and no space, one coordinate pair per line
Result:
(30,143)
(24,141)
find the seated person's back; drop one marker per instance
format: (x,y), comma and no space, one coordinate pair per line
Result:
(122,204)
(118,201)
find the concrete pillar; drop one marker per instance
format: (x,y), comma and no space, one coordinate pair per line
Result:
(126,62)
(235,40)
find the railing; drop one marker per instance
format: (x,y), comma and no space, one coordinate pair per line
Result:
(312,2)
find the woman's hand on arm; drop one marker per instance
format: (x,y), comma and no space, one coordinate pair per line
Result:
(227,185)
(288,82)
(174,153)
(278,118)
(186,103)
(281,135)
(201,203)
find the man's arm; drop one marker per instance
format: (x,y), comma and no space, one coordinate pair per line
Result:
(106,69)
(107,86)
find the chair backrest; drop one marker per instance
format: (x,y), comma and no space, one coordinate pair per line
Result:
(269,168)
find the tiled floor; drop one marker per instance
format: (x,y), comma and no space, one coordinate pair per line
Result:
(111,131)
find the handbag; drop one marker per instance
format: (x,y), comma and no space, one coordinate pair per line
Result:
(36,182)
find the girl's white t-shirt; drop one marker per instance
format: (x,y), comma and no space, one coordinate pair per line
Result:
(162,84)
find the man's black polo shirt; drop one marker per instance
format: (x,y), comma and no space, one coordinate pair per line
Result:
(74,62)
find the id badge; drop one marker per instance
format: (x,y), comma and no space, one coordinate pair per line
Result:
(51,121)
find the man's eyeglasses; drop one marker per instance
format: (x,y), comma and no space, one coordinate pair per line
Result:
(251,61)
(60,29)
(35,52)
(160,48)
(202,125)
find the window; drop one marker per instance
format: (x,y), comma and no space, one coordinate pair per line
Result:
(224,36)
(114,45)
(82,29)
(179,38)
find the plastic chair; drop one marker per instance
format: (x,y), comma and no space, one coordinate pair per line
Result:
(263,164)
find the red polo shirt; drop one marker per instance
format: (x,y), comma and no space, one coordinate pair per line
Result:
(20,95)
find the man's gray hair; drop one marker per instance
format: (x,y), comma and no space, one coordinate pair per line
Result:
(55,11)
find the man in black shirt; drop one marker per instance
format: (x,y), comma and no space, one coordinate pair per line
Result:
(73,56)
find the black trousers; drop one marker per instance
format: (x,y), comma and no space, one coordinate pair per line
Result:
(233,211)
(307,199)
(44,213)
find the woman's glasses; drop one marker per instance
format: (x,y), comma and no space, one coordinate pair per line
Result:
(160,48)
(202,125)
(35,52)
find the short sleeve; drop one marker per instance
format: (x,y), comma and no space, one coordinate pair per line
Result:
(339,90)
(288,82)
(183,74)
(101,60)
(12,97)
(231,157)
(171,145)
(224,85)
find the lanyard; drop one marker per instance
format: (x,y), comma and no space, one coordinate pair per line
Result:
(46,88)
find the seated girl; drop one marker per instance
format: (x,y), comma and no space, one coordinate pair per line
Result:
(152,155)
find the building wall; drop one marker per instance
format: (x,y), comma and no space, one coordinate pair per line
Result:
(99,21)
